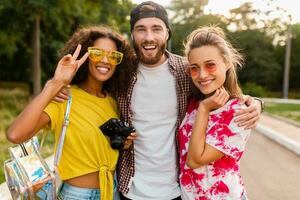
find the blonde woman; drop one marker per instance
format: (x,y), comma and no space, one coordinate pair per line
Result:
(211,143)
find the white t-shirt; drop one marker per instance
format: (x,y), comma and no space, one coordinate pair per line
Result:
(154,107)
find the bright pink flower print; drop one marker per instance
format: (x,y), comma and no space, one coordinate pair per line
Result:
(219,189)
(219,179)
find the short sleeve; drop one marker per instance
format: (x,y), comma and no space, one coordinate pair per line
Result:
(55,113)
(225,135)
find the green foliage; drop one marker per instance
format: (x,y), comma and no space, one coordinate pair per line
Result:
(254,90)
(295,59)
(187,10)
(262,40)
(189,16)
(13,99)
(59,19)
(179,36)
(264,61)
(249,29)
(294,82)
(246,17)
(293,94)
(260,66)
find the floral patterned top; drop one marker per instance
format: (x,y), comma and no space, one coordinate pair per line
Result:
(220,179)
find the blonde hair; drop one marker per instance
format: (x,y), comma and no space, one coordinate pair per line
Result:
(215,36)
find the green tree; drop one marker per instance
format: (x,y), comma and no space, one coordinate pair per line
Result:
(295,59)
(244,17)
(260,37)
(186,16)
(57,21)
(247,17)
(261,66)
(294,81)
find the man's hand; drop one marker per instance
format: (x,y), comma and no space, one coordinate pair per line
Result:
(63,94)
(249,116)
(129,140)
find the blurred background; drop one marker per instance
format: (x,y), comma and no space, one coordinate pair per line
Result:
(32,32)
(267,32)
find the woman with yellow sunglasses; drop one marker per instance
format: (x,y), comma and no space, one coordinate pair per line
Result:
(95,62)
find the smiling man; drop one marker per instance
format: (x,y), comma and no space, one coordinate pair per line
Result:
(155,105)
(150,36)
(157,101)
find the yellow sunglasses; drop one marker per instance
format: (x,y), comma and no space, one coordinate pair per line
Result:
(113,57)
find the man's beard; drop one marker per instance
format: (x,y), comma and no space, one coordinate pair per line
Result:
(149,60)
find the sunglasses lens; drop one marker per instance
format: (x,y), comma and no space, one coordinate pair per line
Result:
(96,55)
(193,71)
(115,58)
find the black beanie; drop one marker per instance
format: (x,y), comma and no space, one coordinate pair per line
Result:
(149,9)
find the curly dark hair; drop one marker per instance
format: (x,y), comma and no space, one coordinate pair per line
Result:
(86,36)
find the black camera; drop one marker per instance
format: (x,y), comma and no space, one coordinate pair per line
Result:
(117,131)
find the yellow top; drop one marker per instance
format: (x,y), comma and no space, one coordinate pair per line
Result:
(86,149)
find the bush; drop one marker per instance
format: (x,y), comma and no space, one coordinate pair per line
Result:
(253,89)
(293,94)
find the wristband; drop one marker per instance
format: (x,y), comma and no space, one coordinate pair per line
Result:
(262,103)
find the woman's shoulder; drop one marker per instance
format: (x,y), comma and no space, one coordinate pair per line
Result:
(234,104)
(226,114)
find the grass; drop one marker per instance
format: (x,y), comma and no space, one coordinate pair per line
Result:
(13,98)
(290,111)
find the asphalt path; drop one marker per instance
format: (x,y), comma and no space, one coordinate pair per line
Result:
(269,170)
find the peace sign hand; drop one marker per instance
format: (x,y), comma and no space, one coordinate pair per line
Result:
(68,66)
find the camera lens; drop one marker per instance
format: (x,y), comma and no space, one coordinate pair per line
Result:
(117,142)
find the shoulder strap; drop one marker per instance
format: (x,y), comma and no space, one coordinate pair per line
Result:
(60,145)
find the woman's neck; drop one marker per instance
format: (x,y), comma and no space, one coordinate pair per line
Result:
(95,89)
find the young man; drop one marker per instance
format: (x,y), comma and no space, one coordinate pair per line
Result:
(155,105)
